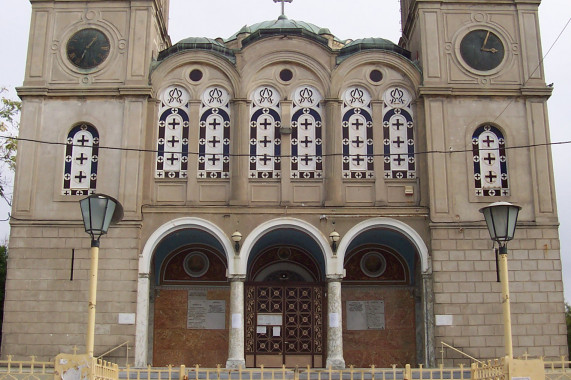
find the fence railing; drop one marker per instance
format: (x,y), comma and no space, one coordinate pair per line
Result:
(26,369)
(298,373)
(102,370)
(492,370)
(558,369)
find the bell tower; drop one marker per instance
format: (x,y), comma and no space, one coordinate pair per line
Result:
(483,98)
(74,44)
(88,66)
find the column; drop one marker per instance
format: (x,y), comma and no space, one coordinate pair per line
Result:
(428,316)
(333,150)
(236,329)
(334,324)
(240,136)
(142,321)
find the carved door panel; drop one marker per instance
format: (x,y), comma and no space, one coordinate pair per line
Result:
(284,325)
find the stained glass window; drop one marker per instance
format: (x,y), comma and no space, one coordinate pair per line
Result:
(81,157)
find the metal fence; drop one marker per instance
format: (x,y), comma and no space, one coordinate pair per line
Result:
(283,373)
(101,370)
(26,369)
(557,370)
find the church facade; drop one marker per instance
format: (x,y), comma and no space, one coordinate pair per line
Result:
(289,197)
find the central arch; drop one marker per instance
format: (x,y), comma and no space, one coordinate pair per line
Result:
(249,246)
(286,262)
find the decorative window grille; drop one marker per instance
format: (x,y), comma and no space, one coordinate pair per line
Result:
(265,138)
(357,124)
(214,132)
(172,143)
(398,134)
(81,156)
(490,162)
(306,141)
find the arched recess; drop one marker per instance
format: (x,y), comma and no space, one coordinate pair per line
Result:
(288,223)
(285,264)
(387,223)
(144,281)
(388,271)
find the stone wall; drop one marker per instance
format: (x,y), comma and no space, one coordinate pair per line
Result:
(466,291)
(46,310)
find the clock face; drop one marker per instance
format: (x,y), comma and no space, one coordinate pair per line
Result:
(482,50)
(88,48)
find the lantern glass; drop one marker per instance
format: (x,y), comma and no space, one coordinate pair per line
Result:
(501,219)
(98,212)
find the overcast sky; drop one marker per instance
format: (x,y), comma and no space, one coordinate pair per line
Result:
(346,19)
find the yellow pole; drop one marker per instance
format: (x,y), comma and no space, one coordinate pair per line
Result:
(92,297)
(506,301)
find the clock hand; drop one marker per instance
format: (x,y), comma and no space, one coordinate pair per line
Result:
(485,41)
(492,50)
(95,39)
(87,48)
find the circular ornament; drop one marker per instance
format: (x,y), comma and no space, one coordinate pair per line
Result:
(482,50)
(88,48)
(215,96)
(397,97)
(266,97)
(357,97)
(196,264)
(306,96)
(175,96)
(373,264)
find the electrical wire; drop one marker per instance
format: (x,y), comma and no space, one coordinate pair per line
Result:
(190,153)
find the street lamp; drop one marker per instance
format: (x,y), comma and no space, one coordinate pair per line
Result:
(98,211)
(501,219)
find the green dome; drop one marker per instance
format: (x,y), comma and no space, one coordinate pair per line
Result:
(370,44)
(199,43)
(281,26)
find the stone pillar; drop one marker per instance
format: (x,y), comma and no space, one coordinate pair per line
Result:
(142,321)
(428,304)
(240,145)
(333,150)
(236,328)
(334,324)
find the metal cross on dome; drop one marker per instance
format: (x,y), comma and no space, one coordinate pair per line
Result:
(283,4)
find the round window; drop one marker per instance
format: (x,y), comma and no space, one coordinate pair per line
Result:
(286,75)
(376,76)
(196,264)
(195,75)
(373,264)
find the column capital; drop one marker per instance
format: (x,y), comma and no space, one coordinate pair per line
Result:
(236,277)
(334,278)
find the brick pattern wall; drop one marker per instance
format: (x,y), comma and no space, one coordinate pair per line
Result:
(465,287)
(46,313)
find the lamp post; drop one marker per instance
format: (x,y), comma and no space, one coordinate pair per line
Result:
(98,211)
(501,219)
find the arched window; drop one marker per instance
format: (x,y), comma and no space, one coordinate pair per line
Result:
(398,134)
(172,143)
(81,156)
(214,140)
(306,141)
(490,162)
(357,124)
(265,138)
